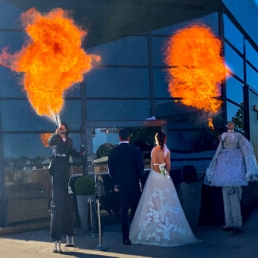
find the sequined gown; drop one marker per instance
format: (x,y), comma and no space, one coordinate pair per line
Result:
(159,218)
(234,163)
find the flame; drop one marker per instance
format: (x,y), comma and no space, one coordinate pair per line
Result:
(197,69)
(44,138)
(52,60)
(210,124)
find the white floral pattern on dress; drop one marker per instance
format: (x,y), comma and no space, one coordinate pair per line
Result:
(159,219)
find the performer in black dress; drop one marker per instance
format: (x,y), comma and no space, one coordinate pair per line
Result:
(62,203)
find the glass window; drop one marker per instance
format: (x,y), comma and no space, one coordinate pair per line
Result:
(125,51)
(118,82)
(236,114)
(9,14)
(71,114)
(234,61)
(26,160)
(251,77)
(13,40)
(102,136)
(24,145)
(251,54)
(30,145)
(158,47)
(232,34)
(10,80)
(234,90)
(160,84)
(165,109)
(20,116)
(210,20)
(233,111)
(117,109)
(9,84)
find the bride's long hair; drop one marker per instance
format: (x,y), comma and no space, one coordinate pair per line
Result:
(160,139)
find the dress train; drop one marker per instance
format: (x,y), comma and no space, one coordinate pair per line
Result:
(159,218)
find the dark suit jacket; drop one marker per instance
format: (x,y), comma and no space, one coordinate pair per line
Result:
(126,166)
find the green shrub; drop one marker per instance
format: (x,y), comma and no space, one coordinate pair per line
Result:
(84,185)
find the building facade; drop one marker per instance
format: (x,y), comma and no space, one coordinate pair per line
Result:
(127,88)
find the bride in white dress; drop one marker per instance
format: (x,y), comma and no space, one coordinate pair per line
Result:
(159,218)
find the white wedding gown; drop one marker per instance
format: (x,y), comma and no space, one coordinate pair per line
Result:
(159,218)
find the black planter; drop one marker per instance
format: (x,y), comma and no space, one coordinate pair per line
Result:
(88,214)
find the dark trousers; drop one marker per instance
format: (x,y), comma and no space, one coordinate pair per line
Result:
(62,203)
(127,200)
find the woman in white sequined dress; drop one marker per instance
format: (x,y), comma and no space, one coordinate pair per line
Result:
(159,218)
(233,166)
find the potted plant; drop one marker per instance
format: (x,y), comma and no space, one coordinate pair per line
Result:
(85,190)
(84,185)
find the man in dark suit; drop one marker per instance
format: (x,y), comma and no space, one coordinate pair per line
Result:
(126,166)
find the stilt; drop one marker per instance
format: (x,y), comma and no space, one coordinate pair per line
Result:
(68,244)
(72,241)
(55,248)
(59,247)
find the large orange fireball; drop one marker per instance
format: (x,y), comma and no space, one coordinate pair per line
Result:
(196,67)
(52,60)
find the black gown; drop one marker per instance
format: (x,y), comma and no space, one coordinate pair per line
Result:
(62,203)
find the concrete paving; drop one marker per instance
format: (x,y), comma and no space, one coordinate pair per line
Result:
(216,243)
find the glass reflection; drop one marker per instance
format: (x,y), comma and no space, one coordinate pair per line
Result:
(236,114)
(234,90)
(105,139)
(233,34)
(251,77)
(234,61)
